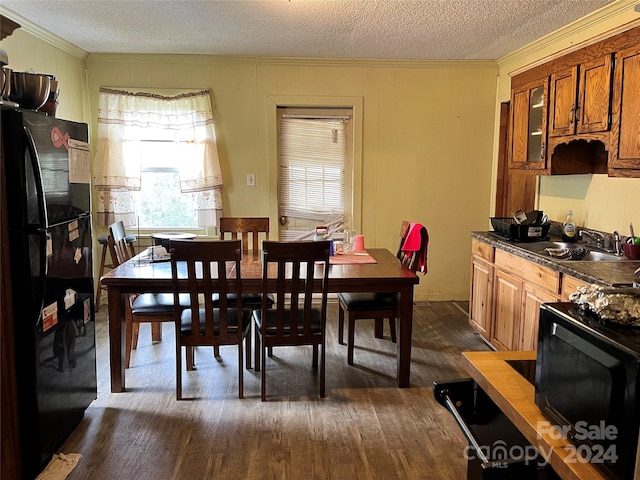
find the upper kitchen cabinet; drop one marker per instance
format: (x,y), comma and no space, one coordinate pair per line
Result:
(580,98)
(593,124)
(528,133)
(564,94)
(625,128)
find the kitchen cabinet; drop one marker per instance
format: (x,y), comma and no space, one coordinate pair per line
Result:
(532,298)
(570,285)
(481,293)
(507,298)
(580,98)
(564,91)
(521,286)
(625,129)
(527,136)
(506,294)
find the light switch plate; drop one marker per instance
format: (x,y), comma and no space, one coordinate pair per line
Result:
(251,179)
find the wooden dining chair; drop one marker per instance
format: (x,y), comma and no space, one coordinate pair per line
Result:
(377,306)
(301,269)
(203,269)
(250,230)
(154,308)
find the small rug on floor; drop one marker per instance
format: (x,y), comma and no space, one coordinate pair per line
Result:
(60,466)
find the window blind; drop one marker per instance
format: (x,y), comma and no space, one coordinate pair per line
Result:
(312,153)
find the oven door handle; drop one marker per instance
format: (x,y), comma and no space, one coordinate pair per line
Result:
(463,426)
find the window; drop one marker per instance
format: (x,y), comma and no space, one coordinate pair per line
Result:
(313,156)
(157,161)
(159,204)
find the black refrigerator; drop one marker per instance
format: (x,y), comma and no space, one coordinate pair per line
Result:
(46,162)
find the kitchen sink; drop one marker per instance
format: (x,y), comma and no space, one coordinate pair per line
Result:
(592,256)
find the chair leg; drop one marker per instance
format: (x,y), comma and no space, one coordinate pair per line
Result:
(134,336)
(128,334)
(263,379)
(392,327)
(322,361)
(314,360)
(216,351)
(240,372)
(178,368)
(98,293)
(191,358)
(350,340)
(247,348)
(340,324)
(379,328)
(156,332)
(103,258)
(257,349)
(270,351)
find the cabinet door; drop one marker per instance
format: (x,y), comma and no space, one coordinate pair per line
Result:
(562,102)
(594,97)
(528,131)
(507,303)
(570,285)
(481,295)
(532,298)
(625,141)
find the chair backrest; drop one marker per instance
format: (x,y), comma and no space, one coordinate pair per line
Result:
(302,269)
(201,268)
(411,259)
(118,244)
(246,227)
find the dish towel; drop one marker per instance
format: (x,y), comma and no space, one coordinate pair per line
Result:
(417,240)
(60,466)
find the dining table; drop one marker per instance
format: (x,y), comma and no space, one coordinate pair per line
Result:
(375,270)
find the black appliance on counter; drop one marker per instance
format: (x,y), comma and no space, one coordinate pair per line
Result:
(587,379)
(49,225)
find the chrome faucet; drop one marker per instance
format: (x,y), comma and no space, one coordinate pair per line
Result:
(617,243)
(595,236)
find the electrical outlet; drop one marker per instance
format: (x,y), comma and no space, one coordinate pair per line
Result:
(251,179)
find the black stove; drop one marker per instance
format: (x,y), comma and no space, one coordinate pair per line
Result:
(526,368)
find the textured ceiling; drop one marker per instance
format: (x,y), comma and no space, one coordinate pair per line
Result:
(360,29)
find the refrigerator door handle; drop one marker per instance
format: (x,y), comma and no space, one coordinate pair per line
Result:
(37,179)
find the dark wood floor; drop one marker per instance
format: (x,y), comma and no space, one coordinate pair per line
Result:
(365,428)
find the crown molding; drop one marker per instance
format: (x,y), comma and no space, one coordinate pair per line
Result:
(287,61)
(562,41)
(44,35)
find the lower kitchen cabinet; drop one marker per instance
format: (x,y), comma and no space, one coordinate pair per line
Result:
(481,295)
(506,294)
(506,308)
(570,285)
(532,298)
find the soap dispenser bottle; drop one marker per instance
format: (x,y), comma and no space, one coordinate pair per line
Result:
(569,231)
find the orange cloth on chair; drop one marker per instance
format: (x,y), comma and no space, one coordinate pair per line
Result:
(417,240)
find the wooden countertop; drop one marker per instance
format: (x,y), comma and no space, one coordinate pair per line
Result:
(514,395)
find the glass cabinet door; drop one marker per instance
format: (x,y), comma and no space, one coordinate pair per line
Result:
(529,126)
